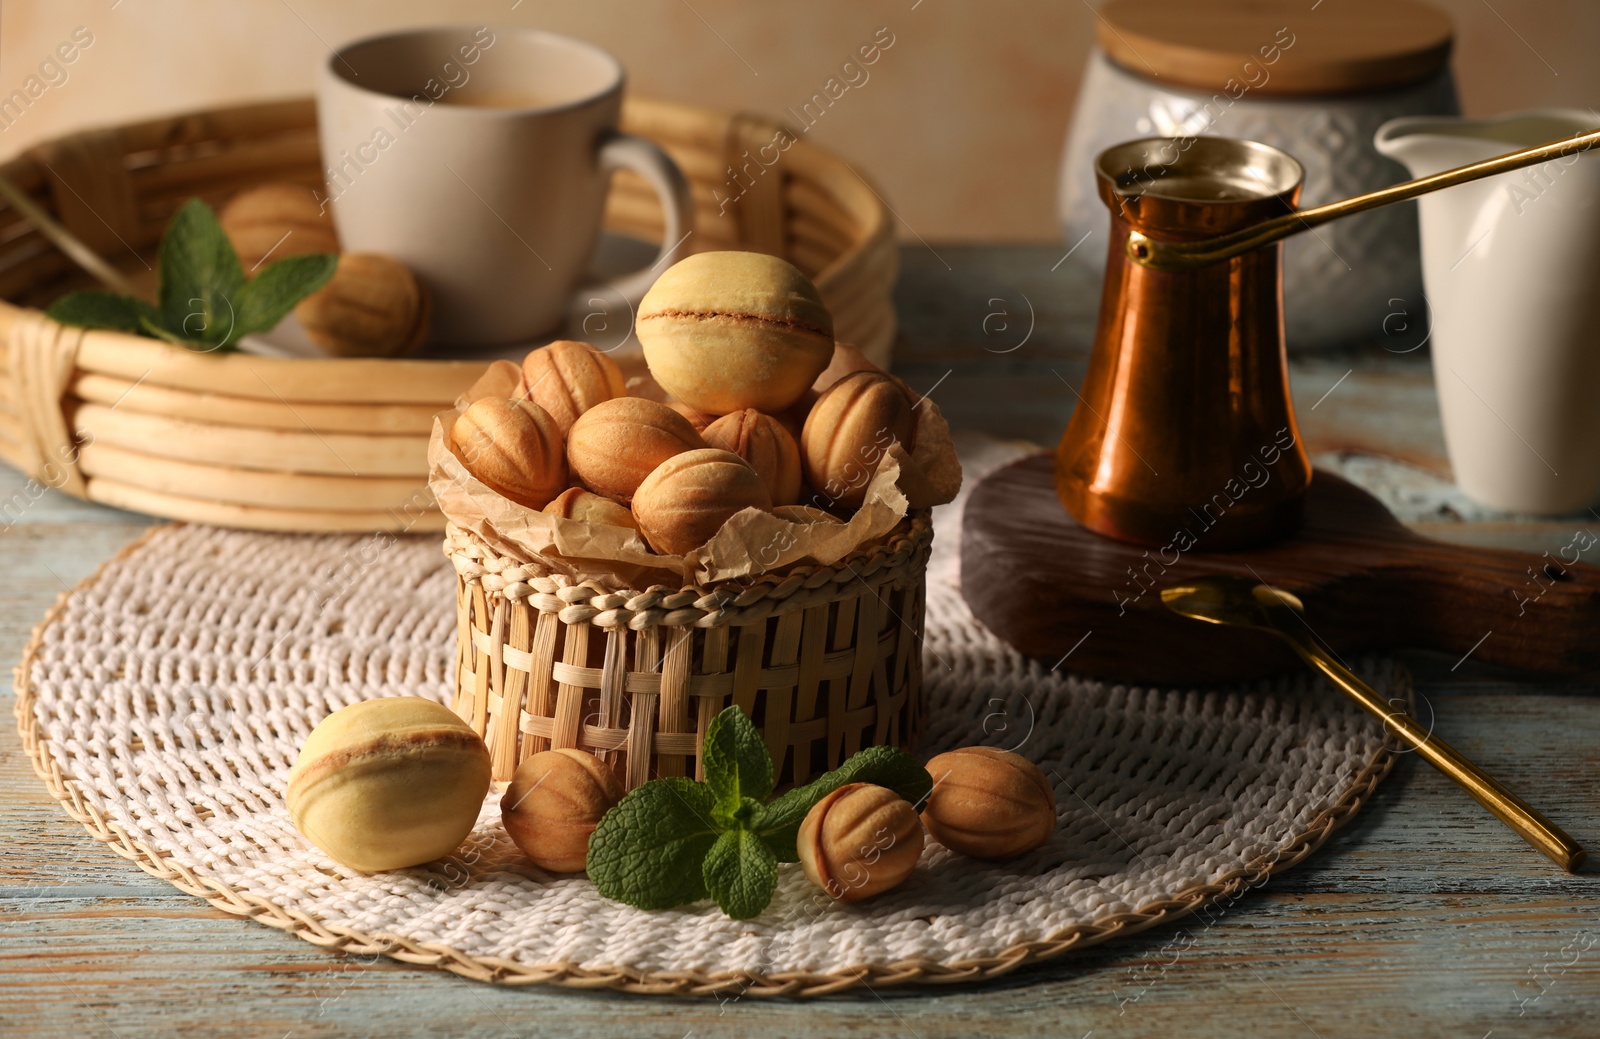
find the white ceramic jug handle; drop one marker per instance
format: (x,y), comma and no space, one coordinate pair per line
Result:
(621,151)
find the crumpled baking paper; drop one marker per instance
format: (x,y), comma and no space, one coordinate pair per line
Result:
(751,543)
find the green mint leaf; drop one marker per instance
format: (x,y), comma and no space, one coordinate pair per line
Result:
(880,766)
(737,764)
(87,309)
(748,814)
(200,277)
(149,325)
(649,849)
(741,873)
(206,303)
(153,328)
(263,301)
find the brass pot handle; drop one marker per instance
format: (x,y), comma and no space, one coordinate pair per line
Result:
(1184,256)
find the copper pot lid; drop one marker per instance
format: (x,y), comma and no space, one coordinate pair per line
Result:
(1273,49)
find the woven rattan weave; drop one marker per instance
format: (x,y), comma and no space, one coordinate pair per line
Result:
(825,659)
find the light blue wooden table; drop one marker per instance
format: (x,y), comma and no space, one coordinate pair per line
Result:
(1424,917)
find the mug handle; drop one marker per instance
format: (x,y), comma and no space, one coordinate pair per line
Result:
(623,151)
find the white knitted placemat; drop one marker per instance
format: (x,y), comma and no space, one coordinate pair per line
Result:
(165,699)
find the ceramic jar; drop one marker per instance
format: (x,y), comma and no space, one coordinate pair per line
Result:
(1180,68)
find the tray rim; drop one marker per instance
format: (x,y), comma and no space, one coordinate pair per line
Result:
(822,213)
(497,970)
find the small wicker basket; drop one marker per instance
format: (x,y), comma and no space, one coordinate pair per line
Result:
(280,443)
(824,659)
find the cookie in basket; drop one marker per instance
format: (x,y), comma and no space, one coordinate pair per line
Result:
(626,641)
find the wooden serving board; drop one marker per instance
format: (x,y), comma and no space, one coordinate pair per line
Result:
(1091,605)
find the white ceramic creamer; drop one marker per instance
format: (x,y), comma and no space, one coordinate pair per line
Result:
(1511,268)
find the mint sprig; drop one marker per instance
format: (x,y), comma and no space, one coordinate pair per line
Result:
(738,768)
(205,301)
(674,841)
(741,873)
(652,844)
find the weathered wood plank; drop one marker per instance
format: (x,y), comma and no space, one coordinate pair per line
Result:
(24,501)
(1370,404)
(1340,964)
(1424,879)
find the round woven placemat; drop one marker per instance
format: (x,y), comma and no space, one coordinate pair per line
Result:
(164,699)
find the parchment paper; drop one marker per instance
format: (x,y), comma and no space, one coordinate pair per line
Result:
(750,544)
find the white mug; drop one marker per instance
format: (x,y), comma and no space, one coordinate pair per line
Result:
(480,158)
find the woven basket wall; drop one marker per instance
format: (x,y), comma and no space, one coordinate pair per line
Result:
(329,444)
(825,659)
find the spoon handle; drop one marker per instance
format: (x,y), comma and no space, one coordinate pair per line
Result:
(1507,807)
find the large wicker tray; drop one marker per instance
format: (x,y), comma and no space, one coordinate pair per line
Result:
(297,444)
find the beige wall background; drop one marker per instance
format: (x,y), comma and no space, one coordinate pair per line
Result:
(961,121)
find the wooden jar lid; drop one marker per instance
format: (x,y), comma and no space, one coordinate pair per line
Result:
(1341,46)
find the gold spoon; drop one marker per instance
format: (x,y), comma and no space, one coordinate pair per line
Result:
(1249,604)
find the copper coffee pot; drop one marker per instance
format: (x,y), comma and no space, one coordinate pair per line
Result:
(1184,437)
